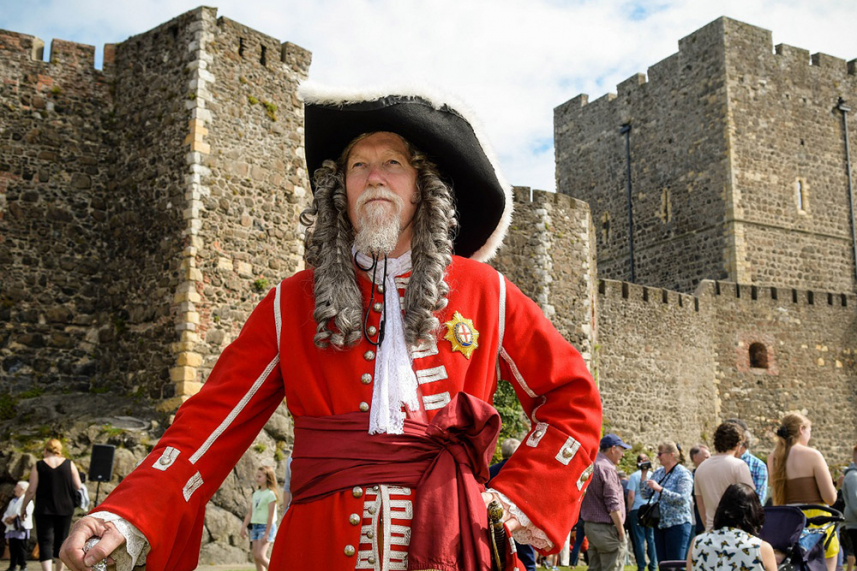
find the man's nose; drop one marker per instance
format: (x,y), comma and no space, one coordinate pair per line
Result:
(375,175)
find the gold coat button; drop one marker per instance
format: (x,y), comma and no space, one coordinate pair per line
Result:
(349,550)
(567,453)
(371,510)
(354,519)
(371,330)
(371,559)
(364,407)
(357,492)
(380,288)
(377,306)
(370,534)
(375,488)
(369,355)
(366,378)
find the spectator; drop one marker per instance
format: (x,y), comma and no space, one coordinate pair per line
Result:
(526,553)
(733,544)
(758,469)
(262,515)
(603,508)
(18,526)
(720,471)
(672,486)
(642,538)
(849,494)
(580,544)
(799,475)
(54,481)
(698,455)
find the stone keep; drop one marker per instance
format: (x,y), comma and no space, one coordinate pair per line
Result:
(145,208)
(737,161)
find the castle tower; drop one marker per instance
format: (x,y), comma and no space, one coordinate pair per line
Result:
(145,209)
(737,162)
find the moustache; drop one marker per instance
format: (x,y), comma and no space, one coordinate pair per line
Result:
(379,192)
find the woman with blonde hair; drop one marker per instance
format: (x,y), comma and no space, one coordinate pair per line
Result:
(54,481)
(799,474)
(261,515)
(672,486)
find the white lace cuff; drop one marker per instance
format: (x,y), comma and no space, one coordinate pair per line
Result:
(527,533)
(136,544)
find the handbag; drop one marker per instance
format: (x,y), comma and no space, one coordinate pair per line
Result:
(649,515)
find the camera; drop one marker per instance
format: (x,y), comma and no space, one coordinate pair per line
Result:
(647,465)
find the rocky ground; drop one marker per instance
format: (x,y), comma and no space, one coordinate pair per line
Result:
(134,427)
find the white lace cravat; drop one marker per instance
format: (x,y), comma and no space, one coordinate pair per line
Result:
(395,382)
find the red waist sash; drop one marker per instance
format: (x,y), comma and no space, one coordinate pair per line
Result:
(445,461)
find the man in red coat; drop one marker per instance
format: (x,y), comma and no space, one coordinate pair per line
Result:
(388,350)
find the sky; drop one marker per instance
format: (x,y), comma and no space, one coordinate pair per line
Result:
(511,61)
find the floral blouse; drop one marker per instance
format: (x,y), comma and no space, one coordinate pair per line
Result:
(677,497)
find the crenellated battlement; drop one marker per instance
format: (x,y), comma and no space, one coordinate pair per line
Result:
(21,46)
(711,292)
(254,46)
(615,289)
(779,296)
(24,47)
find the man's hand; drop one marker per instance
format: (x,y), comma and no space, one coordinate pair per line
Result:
(72,553)
(511,523)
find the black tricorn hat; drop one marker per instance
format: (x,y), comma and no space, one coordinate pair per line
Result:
(436,125)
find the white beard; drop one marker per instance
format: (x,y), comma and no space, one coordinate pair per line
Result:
(378,225)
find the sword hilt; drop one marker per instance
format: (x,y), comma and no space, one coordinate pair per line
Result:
(497,533)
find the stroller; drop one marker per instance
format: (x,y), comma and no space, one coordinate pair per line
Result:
(787,530)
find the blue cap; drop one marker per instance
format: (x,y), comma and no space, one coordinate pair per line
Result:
(612,440)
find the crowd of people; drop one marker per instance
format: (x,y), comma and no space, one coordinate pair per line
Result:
(711,515)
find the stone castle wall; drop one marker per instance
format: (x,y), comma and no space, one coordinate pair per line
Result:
(810,341)
(254,178)
(54,164)
(672,365)
(784,133)
(655,365)
(147,197)
(547,253)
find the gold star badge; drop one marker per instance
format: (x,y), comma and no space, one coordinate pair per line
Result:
(461,333)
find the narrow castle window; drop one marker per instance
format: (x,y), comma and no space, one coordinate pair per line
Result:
(241,47)
(801,196)
(263,59)
(605,228)
(758,356)
(666,206)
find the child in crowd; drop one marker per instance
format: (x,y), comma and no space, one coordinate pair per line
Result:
(261,516)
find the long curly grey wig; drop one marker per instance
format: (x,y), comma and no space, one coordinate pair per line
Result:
(328,239)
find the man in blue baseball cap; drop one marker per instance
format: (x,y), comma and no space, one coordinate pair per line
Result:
(603,508)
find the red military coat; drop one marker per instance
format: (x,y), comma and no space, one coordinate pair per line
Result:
(274,357)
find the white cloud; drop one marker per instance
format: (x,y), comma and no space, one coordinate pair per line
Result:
(512,61)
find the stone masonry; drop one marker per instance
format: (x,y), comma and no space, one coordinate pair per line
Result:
(738,166)
(147,207)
